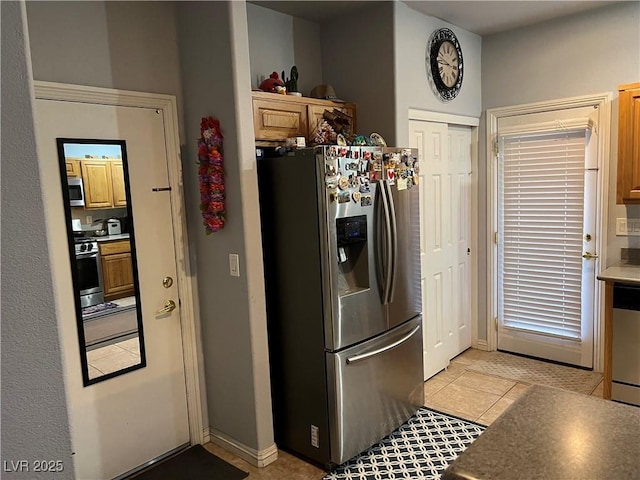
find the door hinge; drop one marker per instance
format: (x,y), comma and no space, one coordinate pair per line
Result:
(496,148)
(496,238)
(495,320)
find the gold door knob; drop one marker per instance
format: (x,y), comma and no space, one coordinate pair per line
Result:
(589,255)
(169,306)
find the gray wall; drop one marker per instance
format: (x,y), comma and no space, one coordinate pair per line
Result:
(124,45)
(134,46)
(278,41)
(35,424)
(358,61)
(587,53)
(215,68)
(412,32)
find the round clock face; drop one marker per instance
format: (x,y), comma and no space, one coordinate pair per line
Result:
(444,64)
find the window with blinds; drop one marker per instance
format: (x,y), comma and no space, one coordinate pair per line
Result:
(541,217)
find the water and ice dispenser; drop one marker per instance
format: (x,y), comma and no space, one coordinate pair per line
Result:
(351,233)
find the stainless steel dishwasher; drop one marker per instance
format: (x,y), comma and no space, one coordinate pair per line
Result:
(626,344)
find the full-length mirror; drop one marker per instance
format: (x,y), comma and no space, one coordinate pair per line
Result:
(99,222)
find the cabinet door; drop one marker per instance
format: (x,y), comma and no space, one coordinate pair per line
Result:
(629,145)
(117,178)
(316,113)
(98,190)
(117,276)
(279,120)
(73,168)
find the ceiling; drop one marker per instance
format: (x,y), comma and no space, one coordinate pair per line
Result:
(480,17)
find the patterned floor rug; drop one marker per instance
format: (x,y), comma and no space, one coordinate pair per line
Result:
(421,449)
(527,370)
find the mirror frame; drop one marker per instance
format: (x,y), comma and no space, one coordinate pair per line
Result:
(73,264)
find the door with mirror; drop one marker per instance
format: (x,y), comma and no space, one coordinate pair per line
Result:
(110,229)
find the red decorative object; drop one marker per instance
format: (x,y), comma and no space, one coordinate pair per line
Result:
(211,175)
(272,84)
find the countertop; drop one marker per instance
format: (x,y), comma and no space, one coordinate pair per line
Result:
(550,433)
(108,238)
(622,272)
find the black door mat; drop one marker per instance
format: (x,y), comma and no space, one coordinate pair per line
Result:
(195,463)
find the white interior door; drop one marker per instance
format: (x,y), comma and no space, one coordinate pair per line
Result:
(123,422)
(547,217)
(445,225)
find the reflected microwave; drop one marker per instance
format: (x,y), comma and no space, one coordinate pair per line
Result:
(76,192)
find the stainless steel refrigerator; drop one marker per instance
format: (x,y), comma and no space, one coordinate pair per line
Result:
(341,246)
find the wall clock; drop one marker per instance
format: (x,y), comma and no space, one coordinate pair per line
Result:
(444,64)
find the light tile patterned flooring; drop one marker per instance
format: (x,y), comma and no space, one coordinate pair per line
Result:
(457,391)
(113,357)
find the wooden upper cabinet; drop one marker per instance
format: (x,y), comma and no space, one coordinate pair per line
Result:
(73,167)
(278,117)
(98,189)
(629,144)
(316,114)
(274,119)
(117,179)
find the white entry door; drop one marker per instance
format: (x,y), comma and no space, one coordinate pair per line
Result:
(547,191)
(123,422)
(445,227)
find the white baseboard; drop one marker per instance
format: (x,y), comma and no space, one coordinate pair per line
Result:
(257,458)
(481,345)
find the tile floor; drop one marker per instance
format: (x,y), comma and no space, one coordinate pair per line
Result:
(114,357)
(457,391)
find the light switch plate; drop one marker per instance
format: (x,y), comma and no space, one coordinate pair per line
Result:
(234,265)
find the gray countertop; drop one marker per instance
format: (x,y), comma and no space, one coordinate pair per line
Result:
(622,273)
(551,434)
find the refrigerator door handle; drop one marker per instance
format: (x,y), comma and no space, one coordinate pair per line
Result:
(386,348)
(388,260)
(394,244)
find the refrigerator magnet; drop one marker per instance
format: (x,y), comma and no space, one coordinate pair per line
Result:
(415,179)
(356,196)
(331,181)
(343,182)
(365,201)
(344,197)
(402,183)
(353,181)
(364,185)
(343,151)
(367,155)
(374,176)
(391,176)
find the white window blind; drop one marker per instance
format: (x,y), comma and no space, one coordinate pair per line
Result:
(541,217)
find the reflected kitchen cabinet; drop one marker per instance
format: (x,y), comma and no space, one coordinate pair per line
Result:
(629,144)
(73,168)
(117,269)
(104,185)
(117,180)
(98,189)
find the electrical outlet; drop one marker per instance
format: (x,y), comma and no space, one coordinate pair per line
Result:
(315,440)
(234,265)
(628,227)
(89,219)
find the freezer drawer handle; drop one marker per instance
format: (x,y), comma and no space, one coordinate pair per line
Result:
(386,348)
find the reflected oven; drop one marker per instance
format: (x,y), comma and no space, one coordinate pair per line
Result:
(89,270)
